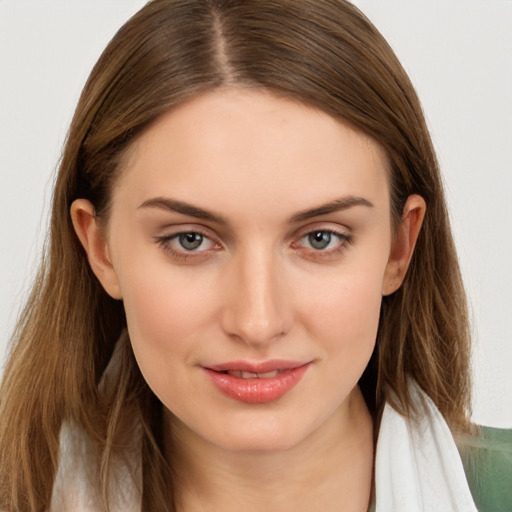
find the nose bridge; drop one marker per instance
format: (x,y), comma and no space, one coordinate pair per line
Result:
(257,310)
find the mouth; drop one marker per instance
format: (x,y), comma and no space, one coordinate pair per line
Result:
(256,383)
(250,375)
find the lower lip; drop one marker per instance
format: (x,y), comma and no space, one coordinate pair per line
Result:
(257,391)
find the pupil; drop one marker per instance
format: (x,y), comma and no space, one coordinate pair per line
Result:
(191,241)
(320,239)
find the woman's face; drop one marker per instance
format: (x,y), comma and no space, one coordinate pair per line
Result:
(250,243)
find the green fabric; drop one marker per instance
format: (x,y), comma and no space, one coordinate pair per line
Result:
(487,460)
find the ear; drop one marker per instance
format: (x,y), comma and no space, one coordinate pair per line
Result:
(403,244)
(94,242)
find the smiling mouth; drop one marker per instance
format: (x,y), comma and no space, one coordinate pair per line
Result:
(267,384)
(250,375)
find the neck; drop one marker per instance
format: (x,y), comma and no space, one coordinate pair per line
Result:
(331,470)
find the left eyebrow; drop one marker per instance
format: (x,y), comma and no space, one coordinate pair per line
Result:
(337,205)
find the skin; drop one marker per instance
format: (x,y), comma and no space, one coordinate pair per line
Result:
(256,288)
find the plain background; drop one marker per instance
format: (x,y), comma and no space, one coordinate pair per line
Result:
(458,54)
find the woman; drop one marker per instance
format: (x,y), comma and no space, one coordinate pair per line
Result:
(250,279)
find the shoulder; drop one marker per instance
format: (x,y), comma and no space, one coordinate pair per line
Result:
(487,460)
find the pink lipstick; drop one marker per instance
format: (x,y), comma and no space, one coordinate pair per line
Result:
(256,383)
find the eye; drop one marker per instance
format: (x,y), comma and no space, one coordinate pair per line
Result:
(323,242)
(190,241)
(187,244)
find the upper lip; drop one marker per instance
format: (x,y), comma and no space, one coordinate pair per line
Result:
(256,366)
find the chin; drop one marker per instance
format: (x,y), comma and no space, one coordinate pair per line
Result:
(264,434)
(261,443)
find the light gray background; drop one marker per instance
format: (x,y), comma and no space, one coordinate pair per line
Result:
(458,54)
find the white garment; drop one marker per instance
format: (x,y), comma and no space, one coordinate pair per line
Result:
(417,468)
(74,489)
(77,474)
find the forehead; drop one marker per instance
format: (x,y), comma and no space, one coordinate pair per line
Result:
(245,150)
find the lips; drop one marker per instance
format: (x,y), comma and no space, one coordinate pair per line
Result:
(250,375)
(256,383)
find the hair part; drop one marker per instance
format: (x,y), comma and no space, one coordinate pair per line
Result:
(322,53)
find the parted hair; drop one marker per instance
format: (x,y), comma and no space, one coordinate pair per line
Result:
(322,53)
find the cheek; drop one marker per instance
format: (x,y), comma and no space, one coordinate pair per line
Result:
(164,311)
(345,316)
(152,307)
(350,331)
(161,300)
(351,315)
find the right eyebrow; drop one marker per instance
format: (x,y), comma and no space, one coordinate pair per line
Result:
(173,205)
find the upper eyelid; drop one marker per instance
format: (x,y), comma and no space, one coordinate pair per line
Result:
(322,226)
(171,231)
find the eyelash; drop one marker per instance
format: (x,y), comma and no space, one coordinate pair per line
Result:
(344,239)
(166,242)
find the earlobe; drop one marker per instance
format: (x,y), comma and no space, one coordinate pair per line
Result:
(403,245)
(94,243)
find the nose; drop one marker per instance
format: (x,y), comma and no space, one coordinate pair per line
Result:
(257,308)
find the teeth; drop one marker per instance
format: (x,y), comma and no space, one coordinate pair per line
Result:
(250,375)
(267,375)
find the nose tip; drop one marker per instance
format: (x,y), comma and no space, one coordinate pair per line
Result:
(257,310)
(257,329)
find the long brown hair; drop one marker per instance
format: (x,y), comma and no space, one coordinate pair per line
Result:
(323,53)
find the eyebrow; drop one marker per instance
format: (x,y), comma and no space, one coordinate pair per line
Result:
(173,205)
(337,205)
(166,203)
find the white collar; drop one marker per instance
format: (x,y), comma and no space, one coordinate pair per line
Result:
(417,466)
